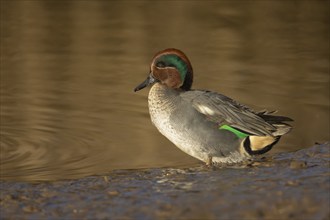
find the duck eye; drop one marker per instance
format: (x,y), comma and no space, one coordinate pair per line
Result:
(160,64)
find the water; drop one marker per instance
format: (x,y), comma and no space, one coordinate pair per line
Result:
(68,70)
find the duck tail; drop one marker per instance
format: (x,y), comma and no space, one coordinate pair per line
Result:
(261,144)
(278,122)
(281,129)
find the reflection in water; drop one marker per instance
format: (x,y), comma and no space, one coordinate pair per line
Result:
(68,70)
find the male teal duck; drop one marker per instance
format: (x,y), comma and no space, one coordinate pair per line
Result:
(206,125)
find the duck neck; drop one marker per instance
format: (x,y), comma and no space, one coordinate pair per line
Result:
(162,95)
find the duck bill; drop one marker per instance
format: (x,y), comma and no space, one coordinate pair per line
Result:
(150,80)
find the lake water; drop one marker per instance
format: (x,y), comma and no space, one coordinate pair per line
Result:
(68,70)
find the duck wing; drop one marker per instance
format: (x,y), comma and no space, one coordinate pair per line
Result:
(226,111)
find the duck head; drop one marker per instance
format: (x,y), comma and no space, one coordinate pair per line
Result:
(170,67)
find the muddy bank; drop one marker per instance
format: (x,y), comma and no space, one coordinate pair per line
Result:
(288,185)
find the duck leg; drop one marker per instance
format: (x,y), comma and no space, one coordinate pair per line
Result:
(209,162)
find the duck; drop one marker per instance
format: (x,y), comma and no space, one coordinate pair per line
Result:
(206,125)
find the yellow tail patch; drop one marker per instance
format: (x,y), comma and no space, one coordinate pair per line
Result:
(253,145)
(259,142)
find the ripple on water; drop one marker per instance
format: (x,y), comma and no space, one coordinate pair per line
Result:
(67,105)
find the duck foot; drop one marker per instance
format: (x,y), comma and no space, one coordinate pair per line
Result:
(209,163)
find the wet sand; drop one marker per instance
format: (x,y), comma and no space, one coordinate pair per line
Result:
(285,186)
